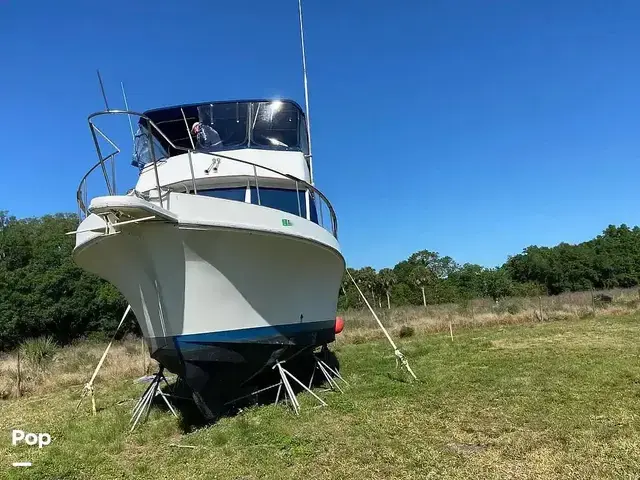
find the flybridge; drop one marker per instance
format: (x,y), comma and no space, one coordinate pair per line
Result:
(257,124)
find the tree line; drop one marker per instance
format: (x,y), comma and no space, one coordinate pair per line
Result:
(611,259)
(43,292)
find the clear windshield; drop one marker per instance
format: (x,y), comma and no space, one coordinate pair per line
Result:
(273,125)
(223,125)
(142,149)
(276,124)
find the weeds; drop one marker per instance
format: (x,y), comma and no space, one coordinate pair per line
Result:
(39,352)
(360,326)
(71,365)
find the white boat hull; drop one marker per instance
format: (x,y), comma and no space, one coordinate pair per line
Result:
(207,293)
(187,281)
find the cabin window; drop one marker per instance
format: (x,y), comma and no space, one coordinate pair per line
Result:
(279,198)
(284,200)
(234,193)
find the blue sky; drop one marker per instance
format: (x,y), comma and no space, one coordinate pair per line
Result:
(471,128)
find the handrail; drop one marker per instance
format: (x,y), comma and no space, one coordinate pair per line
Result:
(82,206)
(151,123)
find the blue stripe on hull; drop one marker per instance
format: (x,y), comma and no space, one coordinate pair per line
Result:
(254,334)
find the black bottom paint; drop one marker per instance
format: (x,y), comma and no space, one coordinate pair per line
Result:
(218,372)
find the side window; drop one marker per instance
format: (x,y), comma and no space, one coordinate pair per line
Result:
(312,206)
(284,200)
(235,193)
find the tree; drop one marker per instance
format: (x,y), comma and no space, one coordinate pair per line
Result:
(422,276)
(496,283)
(367,279)
(42,291)
(387,280)
(439,268)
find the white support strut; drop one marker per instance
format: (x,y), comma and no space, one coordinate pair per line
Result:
(88,388)
(111,225)
(399,355)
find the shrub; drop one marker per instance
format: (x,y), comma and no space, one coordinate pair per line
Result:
(602,301)
(629,303)
(507,307)
(97,337)
(464,306)
(406,331)
(39,352)
(513,308)
(584,313)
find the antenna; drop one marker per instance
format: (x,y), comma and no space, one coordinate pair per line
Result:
(104,95)
(113,157)
(126,107)
(306,90)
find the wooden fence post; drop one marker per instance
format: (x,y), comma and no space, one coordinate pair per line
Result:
(19,376)
(540,303)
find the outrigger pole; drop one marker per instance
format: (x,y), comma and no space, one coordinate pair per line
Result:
(113,159)
(104,95)
(399,355)
(126,107)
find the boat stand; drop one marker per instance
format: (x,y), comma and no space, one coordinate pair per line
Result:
(329,373)
(144,404)
(289,395)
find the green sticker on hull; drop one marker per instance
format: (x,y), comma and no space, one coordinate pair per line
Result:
(286,223)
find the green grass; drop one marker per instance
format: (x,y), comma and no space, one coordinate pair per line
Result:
(545,400)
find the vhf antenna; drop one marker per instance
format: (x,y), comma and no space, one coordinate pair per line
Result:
(306,91)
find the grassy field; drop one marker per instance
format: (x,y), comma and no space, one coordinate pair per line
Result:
(554,399)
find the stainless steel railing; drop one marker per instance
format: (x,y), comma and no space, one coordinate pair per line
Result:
(320,200)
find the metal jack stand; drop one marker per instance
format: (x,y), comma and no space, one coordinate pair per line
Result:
(289,393)
(147,398)
(329,373)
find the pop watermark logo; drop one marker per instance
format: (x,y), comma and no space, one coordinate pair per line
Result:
(40,439)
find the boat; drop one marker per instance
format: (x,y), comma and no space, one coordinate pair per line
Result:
(225,250)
